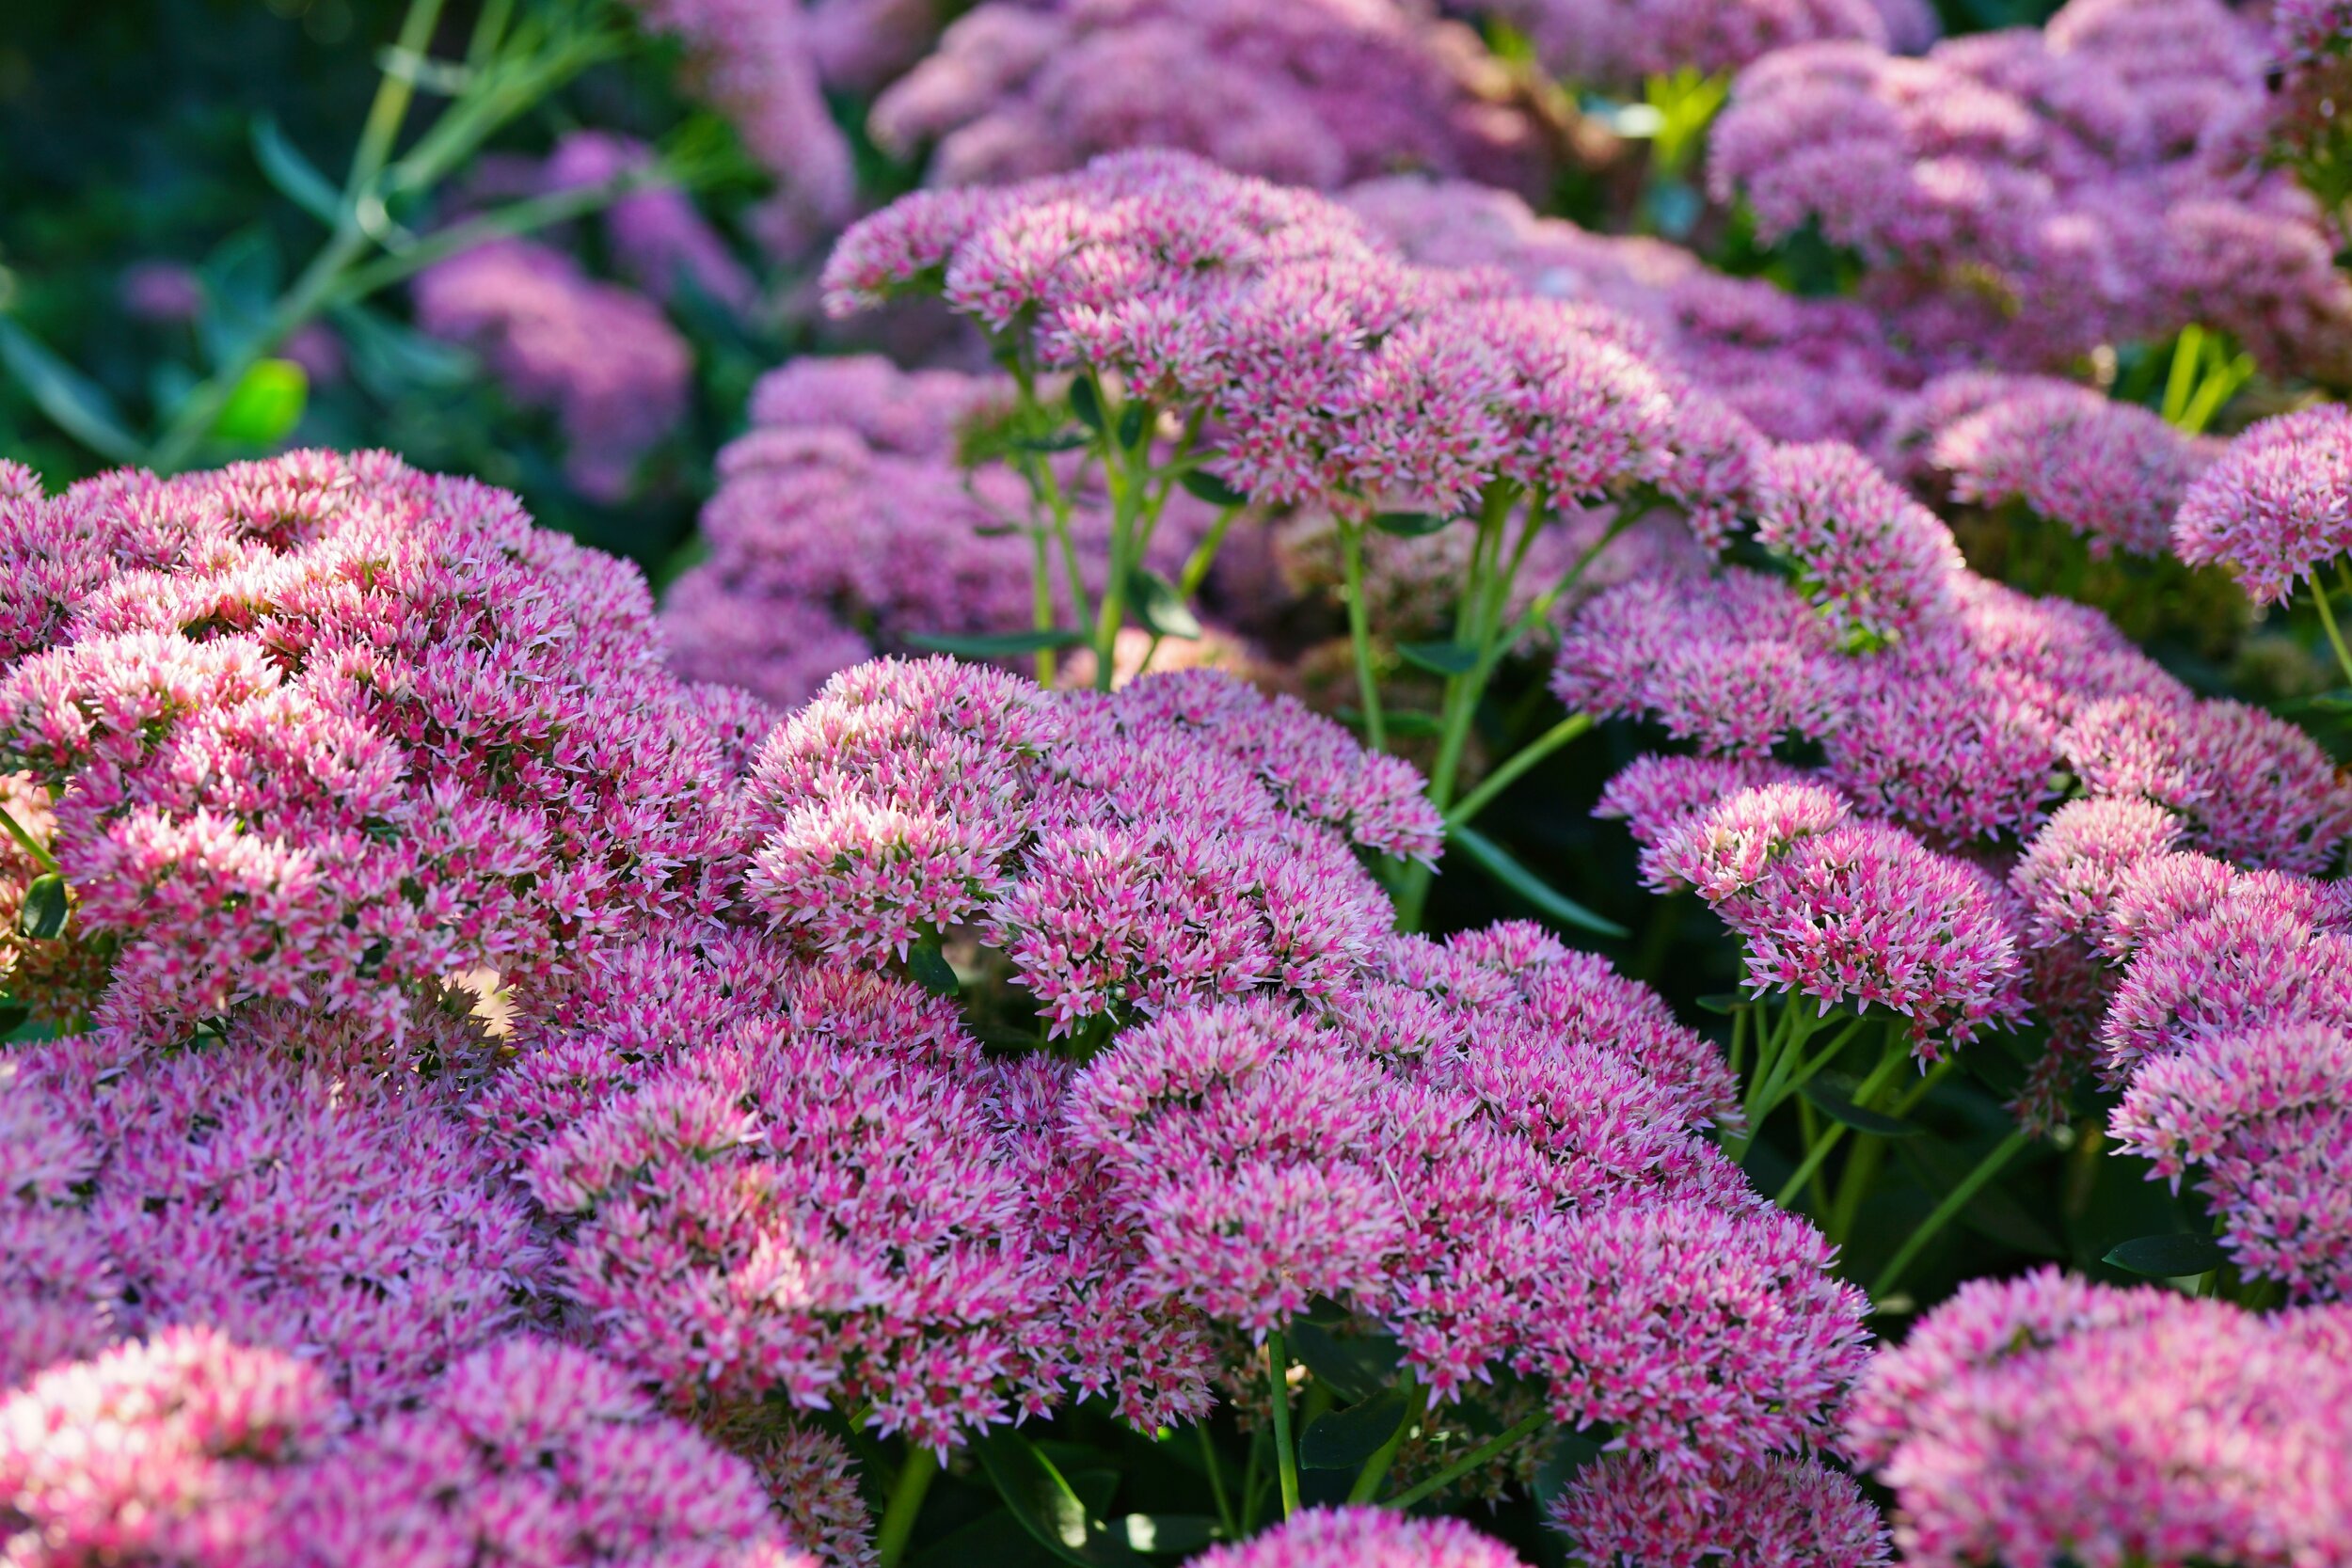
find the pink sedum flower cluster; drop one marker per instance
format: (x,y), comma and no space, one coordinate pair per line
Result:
(191,1448)
(2041,1419)
(1308,92)
(1343,1537)
(604,360)
(1620,44)
(330,731)
(2276,507)
(1781,1513)
(2034,193)
(1183,839)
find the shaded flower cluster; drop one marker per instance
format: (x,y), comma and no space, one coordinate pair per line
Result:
(604,360)
(1308,92)
(1620,44)
(332,732)
(2043,1420)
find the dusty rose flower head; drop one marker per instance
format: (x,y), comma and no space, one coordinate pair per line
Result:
(1346,1537)
(2071,873)
(2263,1115)
(2048,1420)
(756,61)
(355,1228)
(605,359)
(1309,92)
(1618,1512)
(174,1450)
(534,1452)
(1736,662)
(2113,473)
(1329,370)
(1182,839)
(1851,911)
(2277,505)
(1653,794)
(1875,562)
(657,238)
(328,731)
(1745,1295)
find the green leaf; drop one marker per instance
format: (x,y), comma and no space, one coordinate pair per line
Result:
(392,360)
(1442,658)
(1840,1108)
(1408,525)
(13,1016)
(266,404)
(1173,1534)
(293,176)
(1009,645)
(1723,1004)
(1131,424)
(1044,1502)
(46,904)
(1357,1367)
(1208,488)
(1511,874)
(929,968)
(1087,404)
(1344,1439)
(79,405)
(1160,607)
(1060,441)
(2168,1256)
(1570,1452)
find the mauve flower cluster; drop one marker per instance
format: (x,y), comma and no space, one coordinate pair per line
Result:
(2227,998)
(1347,1537)
(657,239)
(1780,1513)
(2032,194)
(844,522)
(1799,368)
(609,365)
(328,731)
(1620,44)
(1183,839)
(2043,1420)
(2112,472)
(235,1189)
(1331,371)
(2275,506)
(193,1449)
(756,61)
(1309,92)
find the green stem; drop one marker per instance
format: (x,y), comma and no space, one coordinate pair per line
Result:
(488,28)
(393,94)
(1820,1151)
(2327,619)
(1375,1469)
(1468,1463)
(1286,1451)
(1359,633)
(26,842)
(906,1500)
(1216,1483)
(1954,1201)
(1494,784)
(515,217)
(1204,555)
(1040,593)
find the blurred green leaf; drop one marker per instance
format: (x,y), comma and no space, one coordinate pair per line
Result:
(1357,1367)
(929,968)
(393,360)
(2168,1256)
(266,404)
(1838,1107)
(293,176)
(1087,404)
(1208,488)
(46,905)
(79,405)
(1045,1503)
(1344,1439)
(1441,658)
(1491,857)
(1011,645)
(1172,1534)
(1160,607)
(1408,525)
